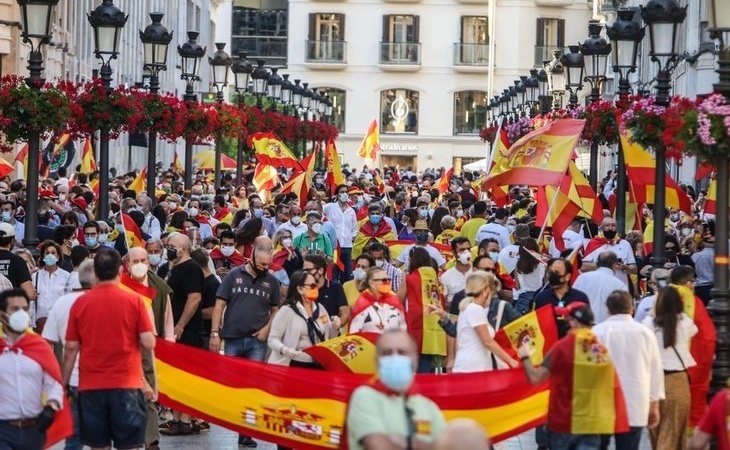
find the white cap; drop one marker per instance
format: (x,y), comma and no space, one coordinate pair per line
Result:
(6,230)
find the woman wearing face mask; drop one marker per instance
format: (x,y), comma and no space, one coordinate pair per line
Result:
(246,235)
(476,349)
(408,221)
(285,254)
(49,281)
(299,324)
(378,308)
(352,287)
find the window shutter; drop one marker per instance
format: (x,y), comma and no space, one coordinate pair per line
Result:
(561,32)
(386,28)
(463,29)
(341,21)
(540,34)
(312,26)
(416,23)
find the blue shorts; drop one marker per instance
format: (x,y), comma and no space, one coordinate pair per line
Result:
(118,415)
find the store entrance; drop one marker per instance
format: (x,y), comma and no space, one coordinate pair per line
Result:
(401,161)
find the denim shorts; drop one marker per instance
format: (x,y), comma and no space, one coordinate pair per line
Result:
(118,415)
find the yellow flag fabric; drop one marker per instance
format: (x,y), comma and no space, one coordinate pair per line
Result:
(139,184)
(370,145)
(272,151)
(350,353)
(335,176)
(88,164)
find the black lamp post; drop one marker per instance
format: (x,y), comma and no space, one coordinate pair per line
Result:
(662,17)
(37,16)
(107,20)
(595,52)
(719,306)
(273,87)
(543,97)
(241,69)
(156,40)
(191,54)
(573,61)
(556,79)
(533,92)
(287,89)
(328,109)
(260,77)
(296,97)
(220,62)
(306,99)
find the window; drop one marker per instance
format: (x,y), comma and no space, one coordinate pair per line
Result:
(470,112)
(473,48)
(338,106)
(259,28)
(326,37)
(400,40)
(550,35)
(399,111)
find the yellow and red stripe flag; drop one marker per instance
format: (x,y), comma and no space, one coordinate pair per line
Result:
(424,288)
(536,329)
(335,176)
(443,183)
(139,184)
(301,181)
(354,353)
(576,187)
(555,209)
(641,168)
(306,410)
(499,163)
(272,151)
(370,145)
(711,199)
(88,164)
(176,164)
(132,233)
(539,158)
(5,168)
(129,284)
(265,178)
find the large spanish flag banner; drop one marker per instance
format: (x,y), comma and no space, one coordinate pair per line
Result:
(424,288)
(540,158)
(536,329)
(272,151)
(353,353)
(306,410)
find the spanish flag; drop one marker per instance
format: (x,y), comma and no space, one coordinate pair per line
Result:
(335,176)
(370,233)
(370,145)
(540,158)
(306,409)
(5,168)
(176,164)
(536,329)
(556,210)
(301,181)
(88,164)
(272,151)
(588,398)
(129,284)
(424,288)
(500,150)
(265,178)
(711,199)
(576,187)
(139,184)
(443,183)
(354,353)
(132,233)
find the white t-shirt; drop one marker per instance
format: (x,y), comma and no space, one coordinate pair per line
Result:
(432,252)
(471,354)
(495,231)
(623,251)
(454,281)
(56,324)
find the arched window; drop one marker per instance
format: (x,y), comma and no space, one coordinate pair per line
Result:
(399,111)
(470,112)
(338,106)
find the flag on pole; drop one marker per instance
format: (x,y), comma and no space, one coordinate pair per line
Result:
(88,164)
(300,182)
(272,151)
(556,210)
(5,168)
(443,183)
(577,188)
(498,158)
(370,145)
(536,329)
(139,184)
(176,164)
(132,233)
(424,289)
(265,178)
(335,176)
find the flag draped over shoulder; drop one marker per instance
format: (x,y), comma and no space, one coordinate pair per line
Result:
(354,353)
(370,145)
(641,168)
(88,164)
(539,158)
(272,151)
(334,176)
(129,284)
(299,408)
(425,289)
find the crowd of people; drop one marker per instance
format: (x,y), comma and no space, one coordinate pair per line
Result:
(435,270)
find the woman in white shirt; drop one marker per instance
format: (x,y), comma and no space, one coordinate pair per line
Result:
(378,308)
(49,282)
(476,349)
(529,274)
(300,323)
(673,329)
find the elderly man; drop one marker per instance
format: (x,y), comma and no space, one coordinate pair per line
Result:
(610,241)
(137,265)
(314,241)
(384,413)
(151,224)
(599,283)
(294,224)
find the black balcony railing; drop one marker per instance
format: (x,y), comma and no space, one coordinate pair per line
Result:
(408,53)
(545,53)
(471,54)
(327,52)
(271,49)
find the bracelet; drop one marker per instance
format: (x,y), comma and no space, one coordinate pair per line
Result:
(524,358)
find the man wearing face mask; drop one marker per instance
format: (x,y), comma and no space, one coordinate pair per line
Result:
(204,225)
(422,235)
(250,296)
(314,241)
(384,413)
(222,213)
(559,292)
(158,264)
(151,224)
(610,241)
(137,266)
(381,254)
(343,218)
(294,224)
(226,257)
(91,237)
(31,390)
(7,215)
(454,279)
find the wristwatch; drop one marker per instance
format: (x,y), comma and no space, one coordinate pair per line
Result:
(214,334)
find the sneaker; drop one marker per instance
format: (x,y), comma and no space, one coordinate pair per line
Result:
(246,442)
(200,425)
(178,429)
(167,425)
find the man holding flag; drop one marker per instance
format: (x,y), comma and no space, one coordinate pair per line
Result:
(342,216)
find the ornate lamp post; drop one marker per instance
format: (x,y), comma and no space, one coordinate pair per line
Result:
(273,86)
(306,99)
(556,79)
(241,75)
(107,20)
(533,91)
(260,77)
(573,61)
(37,16)
(296,97)
(328,109)
(662,17)
(287,89)
(719,306)
(543,98)
(595,52)
(220,62)
(191,54)
(156,40)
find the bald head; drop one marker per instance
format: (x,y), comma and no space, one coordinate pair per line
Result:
(181,243)
(135,255)
(396,342)
(463,434)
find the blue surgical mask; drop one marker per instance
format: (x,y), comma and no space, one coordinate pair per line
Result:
(494,256)
(155,259)
(396,372)
(103,238)
(423,213)
(91,241)
(375,218)
(258,213)
(50,259)
(6,216)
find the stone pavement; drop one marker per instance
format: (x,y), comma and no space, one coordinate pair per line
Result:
(221,439)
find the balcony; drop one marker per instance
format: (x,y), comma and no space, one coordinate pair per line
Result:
(471,58)
(400,56)
(545,53)
(269,48)
(554,2)
(330,55)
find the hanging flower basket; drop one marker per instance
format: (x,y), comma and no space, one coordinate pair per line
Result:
(121,110)
(164,114)
(706,129)
(601,123)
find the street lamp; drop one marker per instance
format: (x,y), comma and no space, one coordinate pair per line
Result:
(296,96)
(287,89)
(543,98)
(260,77)
(663,17)
(328,108)
(191,53)
(241,69)
(533,91)
(156,40)
(107,20)
(573,61)
(273,86)
(556,79)
(719,305)
(306,99)
(37,16)
(220,62)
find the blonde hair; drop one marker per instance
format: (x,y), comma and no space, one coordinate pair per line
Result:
(477,282)
(363,284)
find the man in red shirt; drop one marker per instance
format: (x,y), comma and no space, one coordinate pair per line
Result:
(110,325)
(714,424)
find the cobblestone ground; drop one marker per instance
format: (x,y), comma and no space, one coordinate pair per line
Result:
(221,439)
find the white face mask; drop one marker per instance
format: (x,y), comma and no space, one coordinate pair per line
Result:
(286,242)
(359,274)
(344,197)
(317,227)
(193,212)
(465,257)
(296,220)
(459,212)
(686,231)
(173,205)
(139,270)
(379,262)
(155,259)
(227,250)
(74,242)
(19,321)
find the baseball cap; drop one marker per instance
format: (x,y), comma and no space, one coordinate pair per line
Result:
(6,230)
(577,310)
(80,202)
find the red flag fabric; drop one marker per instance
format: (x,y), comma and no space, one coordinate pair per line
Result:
(443,182)
(536,329)
(272,151)
(132,232)
(424,288)
(704,170)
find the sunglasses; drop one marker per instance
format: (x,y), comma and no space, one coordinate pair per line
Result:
(384,280)
(310,286)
